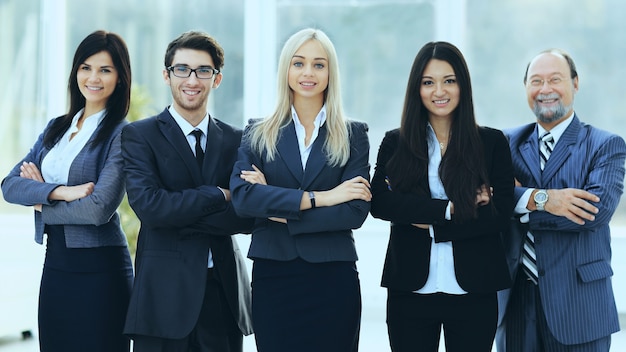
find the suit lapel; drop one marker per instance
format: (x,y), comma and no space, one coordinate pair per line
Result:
(562,151)
(317,159)
(213,148)
(529,150)
(289,151)
(178,140)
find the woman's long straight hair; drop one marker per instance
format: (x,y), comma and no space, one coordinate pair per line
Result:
(462,169)
(264,134)
(118,103)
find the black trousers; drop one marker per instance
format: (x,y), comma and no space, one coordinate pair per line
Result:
(215,331)
(414,321)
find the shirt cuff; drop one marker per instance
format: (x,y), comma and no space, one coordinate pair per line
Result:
(224,193)
(431,231)
(520,207)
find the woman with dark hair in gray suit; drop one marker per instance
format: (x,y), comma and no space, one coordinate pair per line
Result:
(72,177)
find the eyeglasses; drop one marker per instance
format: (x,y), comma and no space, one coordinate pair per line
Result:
(202,72)
(538,82)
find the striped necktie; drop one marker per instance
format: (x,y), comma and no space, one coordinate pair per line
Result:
(546,143)
(529,257)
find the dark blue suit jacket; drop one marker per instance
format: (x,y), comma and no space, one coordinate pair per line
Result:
(574,261)
(182,214)
(316,235)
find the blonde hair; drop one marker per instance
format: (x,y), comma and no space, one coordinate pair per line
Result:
(264,134)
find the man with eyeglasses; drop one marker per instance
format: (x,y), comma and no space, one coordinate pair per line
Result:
(569,180)
(191,290)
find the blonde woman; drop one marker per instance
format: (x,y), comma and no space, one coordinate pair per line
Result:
(303,174)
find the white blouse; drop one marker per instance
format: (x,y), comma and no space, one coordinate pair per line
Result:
(55,167)
(441,275)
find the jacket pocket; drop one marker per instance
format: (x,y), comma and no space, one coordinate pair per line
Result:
(594,271)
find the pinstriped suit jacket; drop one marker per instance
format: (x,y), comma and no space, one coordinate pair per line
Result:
(91,221)
(574,261)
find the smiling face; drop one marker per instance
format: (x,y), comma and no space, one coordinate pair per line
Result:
(97,79)
(190,94)
(439,89)
(308,71)
(550,89)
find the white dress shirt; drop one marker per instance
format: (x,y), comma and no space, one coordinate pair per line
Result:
(187,128)
(441,273)
(305,150)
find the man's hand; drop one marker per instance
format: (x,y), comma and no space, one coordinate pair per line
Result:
(573,204)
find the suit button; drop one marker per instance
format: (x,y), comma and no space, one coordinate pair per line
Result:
(538,240)
(541,272)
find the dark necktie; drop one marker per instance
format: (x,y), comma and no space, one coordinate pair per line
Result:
(199,151)
(529,257)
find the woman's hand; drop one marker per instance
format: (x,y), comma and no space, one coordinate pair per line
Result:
(483,195)
(30,171)
(257,177)
(70,193)
(253,177)
(354,188)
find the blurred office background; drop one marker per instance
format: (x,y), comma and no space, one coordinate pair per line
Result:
(376,41)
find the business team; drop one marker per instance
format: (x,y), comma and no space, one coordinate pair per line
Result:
(300,185)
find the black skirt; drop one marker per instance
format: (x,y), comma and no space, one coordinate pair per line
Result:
(83,297)
(301,306)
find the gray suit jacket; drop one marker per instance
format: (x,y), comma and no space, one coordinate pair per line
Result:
(574,261)
(89,222)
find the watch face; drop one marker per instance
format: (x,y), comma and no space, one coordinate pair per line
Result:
(540,197)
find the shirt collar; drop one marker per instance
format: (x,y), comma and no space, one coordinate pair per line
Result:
(90,121)
(320,119)
(185,126)
(558,130)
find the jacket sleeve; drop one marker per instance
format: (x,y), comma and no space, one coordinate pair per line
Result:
(400,207)
(493,217)
(98,207)
(22,191)
(264,201)
(148,195)
(348,215)
(605,179)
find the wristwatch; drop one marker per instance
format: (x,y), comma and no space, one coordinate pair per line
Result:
(541,198)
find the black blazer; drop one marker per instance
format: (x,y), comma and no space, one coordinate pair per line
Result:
(182,214)
(479,258)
